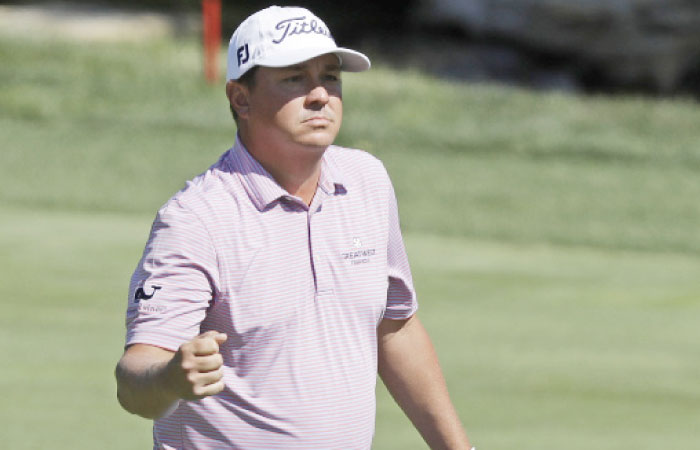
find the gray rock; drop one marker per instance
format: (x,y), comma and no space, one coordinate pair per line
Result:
(636,42)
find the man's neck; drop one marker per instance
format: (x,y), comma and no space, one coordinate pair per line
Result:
(297,172)
(301,183)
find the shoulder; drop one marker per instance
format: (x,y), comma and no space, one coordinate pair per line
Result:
(201,195)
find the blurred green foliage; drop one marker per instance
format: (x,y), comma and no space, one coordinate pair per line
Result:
(120,127)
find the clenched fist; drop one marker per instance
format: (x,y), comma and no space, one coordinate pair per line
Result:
(196,369)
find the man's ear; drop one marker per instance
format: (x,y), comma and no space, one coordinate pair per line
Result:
(238,94)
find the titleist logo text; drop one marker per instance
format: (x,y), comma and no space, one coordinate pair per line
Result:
(298,25)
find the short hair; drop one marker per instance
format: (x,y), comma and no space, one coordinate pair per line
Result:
(247,79)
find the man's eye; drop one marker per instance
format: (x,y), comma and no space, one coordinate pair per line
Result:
(293,79)
(332,77)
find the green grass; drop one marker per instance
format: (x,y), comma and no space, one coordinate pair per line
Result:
(547,347)
(553,241)
(543,347)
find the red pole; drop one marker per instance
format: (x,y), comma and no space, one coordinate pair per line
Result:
(211,26)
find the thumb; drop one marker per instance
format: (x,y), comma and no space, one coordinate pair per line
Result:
(220,338)
(208,334)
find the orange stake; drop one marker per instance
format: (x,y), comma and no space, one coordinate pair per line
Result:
(211,26)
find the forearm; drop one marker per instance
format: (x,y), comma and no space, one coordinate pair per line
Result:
(142,386)
(409,368)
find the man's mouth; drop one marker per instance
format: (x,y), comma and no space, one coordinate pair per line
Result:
(318,120)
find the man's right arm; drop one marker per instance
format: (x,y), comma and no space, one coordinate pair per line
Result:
(151,379)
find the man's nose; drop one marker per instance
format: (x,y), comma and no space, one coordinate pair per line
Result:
(318,95)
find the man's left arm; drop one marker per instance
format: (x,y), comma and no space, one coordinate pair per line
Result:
(409,367)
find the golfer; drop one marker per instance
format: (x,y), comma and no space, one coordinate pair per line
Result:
(275,285)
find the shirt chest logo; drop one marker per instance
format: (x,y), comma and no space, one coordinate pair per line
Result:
(357,253)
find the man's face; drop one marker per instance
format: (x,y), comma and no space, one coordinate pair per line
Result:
(300,104)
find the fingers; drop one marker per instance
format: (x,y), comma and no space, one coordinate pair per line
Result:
(204,363)
(197,370)
(200,392)
(204,384)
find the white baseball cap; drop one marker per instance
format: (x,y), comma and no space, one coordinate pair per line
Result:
(284,36)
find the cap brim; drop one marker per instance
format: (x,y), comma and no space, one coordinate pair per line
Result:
(351,60)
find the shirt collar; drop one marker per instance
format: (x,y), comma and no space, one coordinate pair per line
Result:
(262,187)
(331,180)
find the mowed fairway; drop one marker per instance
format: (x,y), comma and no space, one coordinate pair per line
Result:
(543,347)
(554,243)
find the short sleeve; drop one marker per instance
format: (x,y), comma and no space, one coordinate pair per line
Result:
(175,281)
(401,295)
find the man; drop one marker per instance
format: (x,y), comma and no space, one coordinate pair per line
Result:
(275,285)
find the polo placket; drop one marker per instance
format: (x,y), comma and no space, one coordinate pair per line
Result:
(322,279)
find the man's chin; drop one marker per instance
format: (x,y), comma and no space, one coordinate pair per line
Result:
(317,139)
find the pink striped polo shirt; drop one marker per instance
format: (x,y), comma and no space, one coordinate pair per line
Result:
(298,290)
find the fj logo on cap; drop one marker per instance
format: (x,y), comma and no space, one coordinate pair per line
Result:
(243,54)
